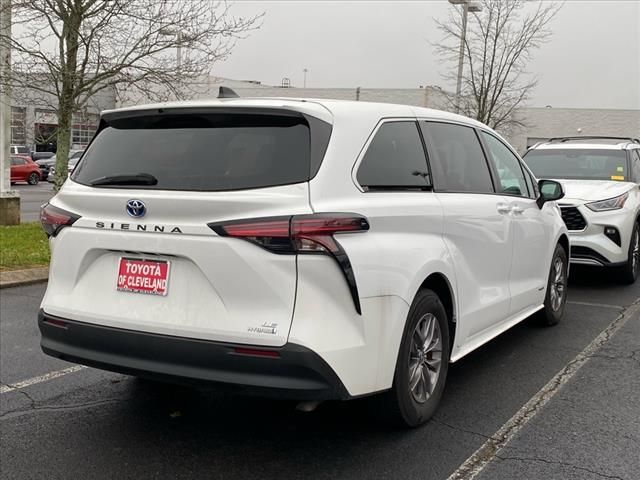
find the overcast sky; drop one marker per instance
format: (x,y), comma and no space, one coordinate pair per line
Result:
(592,60)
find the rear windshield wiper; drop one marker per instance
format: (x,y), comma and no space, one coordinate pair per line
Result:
(134,179)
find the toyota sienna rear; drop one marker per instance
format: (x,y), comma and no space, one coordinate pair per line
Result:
(298,248)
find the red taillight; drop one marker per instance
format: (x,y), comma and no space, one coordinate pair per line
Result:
(297,234)
(278,228)
(255,352)
(56,323)
(313,233)
(270,233)
(301,234)
(53,219)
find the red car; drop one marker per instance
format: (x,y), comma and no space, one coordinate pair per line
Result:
(23,169)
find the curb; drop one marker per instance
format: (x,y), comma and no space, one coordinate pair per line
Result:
(28,276)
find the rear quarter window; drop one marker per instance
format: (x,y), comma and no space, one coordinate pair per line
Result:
(395,159)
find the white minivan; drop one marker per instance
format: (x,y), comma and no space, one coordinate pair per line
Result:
(309,249)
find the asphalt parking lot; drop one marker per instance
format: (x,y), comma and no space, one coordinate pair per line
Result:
(31,197)
(581,421)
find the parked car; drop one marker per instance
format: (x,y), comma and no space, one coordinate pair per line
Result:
(600,176)
(23,169)
(74,158)
(44,161)
(309,249)
(38,156)
(45,166)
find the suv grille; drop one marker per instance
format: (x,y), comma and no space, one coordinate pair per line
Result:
(573,219)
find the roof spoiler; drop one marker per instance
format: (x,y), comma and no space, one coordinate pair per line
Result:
(226,92)
(593,137)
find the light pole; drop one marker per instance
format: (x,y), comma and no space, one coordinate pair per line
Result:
(304,84)
(169,32)
(467,6)
(9,200)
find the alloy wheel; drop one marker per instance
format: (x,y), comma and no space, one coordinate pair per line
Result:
(558,284)
(425,358)
(635,253)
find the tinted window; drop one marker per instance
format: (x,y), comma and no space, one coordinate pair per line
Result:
(510,175)
(635,165)
(457,160)
(395,158)
(580,164)
(210,152)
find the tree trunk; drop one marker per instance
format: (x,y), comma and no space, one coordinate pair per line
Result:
(67,97)
(65,112)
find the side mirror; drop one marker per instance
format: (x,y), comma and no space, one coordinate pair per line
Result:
(550,190)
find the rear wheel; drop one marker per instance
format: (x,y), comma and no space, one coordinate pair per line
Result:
(556,297)
(33,178)
(422,364)
(629,271)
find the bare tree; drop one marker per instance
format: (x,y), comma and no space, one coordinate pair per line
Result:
(67,51)
(499,44)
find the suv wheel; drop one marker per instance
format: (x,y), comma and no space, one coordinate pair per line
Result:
(629,271)
(33,179)
(421,368)
(556,297)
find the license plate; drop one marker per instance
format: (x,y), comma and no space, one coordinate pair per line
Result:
(143,276)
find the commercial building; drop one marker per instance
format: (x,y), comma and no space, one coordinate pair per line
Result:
(544,123)
(34,119)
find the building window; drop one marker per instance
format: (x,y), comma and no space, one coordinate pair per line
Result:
(83,129)
(18,125)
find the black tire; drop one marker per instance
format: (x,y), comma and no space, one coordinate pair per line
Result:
(553,309)
(629,271)
(33,178)
(400,406)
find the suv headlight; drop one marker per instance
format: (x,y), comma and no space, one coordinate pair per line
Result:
(609,204)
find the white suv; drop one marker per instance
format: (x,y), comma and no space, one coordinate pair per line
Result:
(310,249)
(601,208)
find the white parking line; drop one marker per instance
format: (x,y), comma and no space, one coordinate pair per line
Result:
(42,378)
(490,449)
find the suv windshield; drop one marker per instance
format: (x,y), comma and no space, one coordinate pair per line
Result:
(201,151)
(579,164)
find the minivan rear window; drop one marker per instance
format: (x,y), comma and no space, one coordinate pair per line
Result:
(203,151)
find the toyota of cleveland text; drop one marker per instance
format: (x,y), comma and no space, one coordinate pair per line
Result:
(306,249)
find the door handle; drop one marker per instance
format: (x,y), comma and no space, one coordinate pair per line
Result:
(516,210)
(503,208)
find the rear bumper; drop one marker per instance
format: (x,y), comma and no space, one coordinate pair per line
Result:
(296,373)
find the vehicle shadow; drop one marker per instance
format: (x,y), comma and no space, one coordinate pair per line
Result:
(600,286)
(200,430)
(584,276)
(181,432)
